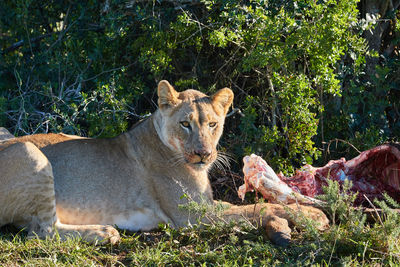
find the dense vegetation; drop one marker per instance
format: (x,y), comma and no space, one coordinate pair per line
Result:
(301,70)
(312,81)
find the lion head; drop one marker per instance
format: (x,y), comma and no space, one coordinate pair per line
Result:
(192,123)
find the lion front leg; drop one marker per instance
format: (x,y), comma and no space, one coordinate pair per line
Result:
(276,218)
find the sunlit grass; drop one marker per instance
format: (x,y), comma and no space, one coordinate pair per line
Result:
(350,241)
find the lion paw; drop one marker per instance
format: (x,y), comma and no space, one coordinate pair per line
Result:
(278,230)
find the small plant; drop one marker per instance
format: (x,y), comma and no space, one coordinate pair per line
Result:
(351,237)
(340,201)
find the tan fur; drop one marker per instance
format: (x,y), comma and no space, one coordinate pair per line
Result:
(5,134)
(42,140)
(135,180)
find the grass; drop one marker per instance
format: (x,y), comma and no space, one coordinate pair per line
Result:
(351,241)
(212,246)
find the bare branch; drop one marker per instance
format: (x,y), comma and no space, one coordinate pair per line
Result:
(18,44)
(344,141)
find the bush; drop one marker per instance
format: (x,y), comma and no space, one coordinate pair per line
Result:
(296,68)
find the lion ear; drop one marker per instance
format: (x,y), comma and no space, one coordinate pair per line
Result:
(222,100)
(167,96)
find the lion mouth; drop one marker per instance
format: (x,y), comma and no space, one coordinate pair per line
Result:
(198,161)
(198,164)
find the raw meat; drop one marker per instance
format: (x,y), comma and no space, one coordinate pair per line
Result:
(372,173)
(260,176)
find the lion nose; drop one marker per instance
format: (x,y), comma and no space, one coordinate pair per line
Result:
(203,153)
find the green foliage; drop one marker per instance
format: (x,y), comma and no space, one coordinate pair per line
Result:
(69,71)
(366,113)
(285,54)
(296,68)
(339,200)
(350,235)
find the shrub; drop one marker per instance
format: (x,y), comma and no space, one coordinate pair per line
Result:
(296,68)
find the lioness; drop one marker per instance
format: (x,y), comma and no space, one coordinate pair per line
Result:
(80,186)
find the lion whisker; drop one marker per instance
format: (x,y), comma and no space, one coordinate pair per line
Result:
(176,160)
(222,161)
(227,155)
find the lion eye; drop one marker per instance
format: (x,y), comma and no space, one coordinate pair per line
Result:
(185,124)
(212,124)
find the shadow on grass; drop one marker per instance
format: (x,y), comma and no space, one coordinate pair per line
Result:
(9,232)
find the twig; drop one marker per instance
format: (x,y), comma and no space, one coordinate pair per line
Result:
(64,28)
(376,212)
(234,111)
(226,62)
(344,141)
(107,71)
(274,103)
(18,44)
(397,255)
